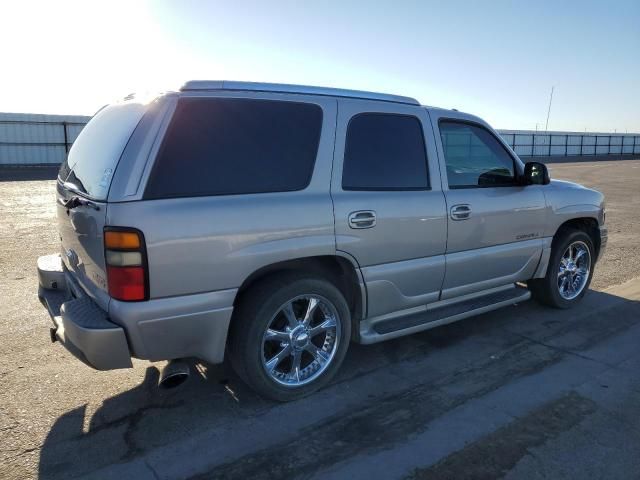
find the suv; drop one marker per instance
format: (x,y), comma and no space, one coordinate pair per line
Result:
(278,223)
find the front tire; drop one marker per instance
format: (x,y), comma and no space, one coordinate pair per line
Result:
(290,333)
(569,271)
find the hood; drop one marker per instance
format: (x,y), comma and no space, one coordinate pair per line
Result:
(567,184)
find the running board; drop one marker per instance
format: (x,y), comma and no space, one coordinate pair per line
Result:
(440,313)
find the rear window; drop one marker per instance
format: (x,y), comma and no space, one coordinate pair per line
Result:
(384,152)
(222,146)
(95,153)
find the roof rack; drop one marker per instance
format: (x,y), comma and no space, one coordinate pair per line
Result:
(195,85)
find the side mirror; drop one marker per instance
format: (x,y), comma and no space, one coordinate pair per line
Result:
(535,173)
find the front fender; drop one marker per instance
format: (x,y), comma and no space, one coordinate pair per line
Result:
(568,201)
(571,212)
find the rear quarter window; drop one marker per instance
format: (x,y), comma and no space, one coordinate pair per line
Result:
(222,146)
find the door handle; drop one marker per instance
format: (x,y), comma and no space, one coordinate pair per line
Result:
(362,219)
(460,212)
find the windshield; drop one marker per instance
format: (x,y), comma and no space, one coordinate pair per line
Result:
(94,155)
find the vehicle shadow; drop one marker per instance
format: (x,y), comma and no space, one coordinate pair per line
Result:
(145,417)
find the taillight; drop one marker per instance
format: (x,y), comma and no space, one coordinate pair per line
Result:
(126,260)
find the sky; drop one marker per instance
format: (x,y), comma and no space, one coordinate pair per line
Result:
(496,59)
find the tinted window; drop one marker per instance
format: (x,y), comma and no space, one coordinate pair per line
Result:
(474,157)
(218,146)
(384,152)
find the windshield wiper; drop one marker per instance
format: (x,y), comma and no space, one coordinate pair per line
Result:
(72,187)
(77,201)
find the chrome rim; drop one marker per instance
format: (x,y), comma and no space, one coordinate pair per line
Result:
(573,271)
(301,340)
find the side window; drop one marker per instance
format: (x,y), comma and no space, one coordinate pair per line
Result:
(474,157)
(225,146)
(384,152)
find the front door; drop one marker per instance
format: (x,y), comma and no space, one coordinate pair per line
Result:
(495,225)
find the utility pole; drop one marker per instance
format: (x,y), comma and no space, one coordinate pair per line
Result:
(546,127)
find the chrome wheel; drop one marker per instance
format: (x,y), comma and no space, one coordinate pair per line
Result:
(301,340)
(573,272)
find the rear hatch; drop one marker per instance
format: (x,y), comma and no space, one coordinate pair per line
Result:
(82,191)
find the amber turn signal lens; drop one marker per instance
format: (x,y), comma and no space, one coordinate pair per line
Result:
(121,240)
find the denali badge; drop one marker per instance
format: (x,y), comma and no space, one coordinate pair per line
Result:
(526,235)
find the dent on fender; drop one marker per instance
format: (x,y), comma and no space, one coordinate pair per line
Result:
(579,209)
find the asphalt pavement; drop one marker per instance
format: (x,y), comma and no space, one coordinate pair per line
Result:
(523,392)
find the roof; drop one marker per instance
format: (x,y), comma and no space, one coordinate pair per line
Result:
(195,85)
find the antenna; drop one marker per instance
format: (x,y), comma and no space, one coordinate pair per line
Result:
(546,127)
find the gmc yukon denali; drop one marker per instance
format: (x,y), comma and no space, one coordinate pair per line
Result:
(275,224)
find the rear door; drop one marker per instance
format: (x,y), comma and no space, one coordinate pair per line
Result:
(86,175)
(389,208)
(495,225)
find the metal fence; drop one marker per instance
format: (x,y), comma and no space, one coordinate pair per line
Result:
(545,144)
(34,139)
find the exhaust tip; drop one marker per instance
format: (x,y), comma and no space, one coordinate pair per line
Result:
(174,374)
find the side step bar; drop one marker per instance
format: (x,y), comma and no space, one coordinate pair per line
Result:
(440,313)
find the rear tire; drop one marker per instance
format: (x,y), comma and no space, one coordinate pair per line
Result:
(569,271)
(289,335)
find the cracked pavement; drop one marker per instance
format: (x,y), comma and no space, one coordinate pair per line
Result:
(524,392)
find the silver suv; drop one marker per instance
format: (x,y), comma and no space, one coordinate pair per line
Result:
(278,223)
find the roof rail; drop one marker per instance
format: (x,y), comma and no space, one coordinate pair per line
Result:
(195,85)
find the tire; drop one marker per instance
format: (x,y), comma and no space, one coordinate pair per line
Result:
(549,290)
(262,360)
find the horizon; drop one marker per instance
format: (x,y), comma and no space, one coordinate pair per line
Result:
(498,62)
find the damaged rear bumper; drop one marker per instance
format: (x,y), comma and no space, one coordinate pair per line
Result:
(79,323)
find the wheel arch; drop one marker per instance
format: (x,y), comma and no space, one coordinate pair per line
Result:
(341,269)
(589,225)
(539,284)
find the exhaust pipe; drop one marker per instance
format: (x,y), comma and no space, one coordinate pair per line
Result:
(174,374)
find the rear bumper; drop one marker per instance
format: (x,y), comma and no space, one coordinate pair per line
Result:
(160,329)
(79,324)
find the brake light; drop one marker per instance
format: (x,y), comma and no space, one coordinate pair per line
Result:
(126,260)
